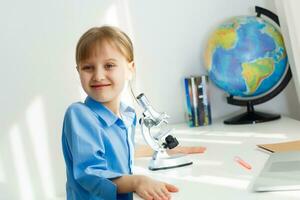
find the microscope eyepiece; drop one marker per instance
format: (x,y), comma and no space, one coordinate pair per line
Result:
(140,96)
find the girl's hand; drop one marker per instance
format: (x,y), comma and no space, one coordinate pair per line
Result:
(151,189)
(186,150)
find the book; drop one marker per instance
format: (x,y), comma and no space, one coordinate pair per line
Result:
(206,102)
(201,114)
(282,146)
(197,101)
(188,90)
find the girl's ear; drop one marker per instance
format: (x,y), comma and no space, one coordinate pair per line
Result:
(77,68)
(131,66)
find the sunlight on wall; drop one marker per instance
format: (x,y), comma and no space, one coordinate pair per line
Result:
(81,93)
(35,118)
(126,17)
(118,14)
(126,96)
(111,16)
(22,171)
(2,174)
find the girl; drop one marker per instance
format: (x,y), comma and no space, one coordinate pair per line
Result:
(97,135)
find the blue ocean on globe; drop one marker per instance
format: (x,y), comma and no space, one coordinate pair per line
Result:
(246,56)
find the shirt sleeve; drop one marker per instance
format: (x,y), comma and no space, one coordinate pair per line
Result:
(89,166)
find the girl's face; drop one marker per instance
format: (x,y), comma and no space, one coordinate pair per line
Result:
(104,73)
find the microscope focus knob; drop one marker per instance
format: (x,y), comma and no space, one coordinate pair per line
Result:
(171,142)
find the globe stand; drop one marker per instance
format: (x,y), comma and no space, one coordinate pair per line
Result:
(251,117)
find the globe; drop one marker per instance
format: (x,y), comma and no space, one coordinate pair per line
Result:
(246,56)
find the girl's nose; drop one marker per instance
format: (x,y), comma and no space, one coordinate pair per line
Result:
(99,74)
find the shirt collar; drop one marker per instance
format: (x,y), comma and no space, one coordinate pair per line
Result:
(108,116)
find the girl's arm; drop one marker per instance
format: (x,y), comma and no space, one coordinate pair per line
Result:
(144,150)
(144,186)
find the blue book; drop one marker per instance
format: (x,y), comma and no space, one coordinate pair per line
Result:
(188,90)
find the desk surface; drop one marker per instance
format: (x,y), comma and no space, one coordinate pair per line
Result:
(215,174)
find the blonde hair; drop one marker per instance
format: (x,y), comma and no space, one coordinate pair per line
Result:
(94,36)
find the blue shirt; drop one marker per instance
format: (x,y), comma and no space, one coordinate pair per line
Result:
(97,147)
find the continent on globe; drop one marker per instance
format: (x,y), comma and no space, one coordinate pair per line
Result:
(255,72)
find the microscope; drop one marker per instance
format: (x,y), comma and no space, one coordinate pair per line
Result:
(157,134)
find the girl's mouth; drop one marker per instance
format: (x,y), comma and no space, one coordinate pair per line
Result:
(100,86)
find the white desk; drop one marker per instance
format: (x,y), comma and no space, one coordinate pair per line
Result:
(214,174)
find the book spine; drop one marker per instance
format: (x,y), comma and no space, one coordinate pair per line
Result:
(187,86)
(201,113)
(207,109)
(195,101)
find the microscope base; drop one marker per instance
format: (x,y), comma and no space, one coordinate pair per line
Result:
(169,162)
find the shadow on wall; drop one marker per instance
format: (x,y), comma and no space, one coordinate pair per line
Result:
(39,82)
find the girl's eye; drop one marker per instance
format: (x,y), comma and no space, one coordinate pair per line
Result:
(87,68)
(109,66)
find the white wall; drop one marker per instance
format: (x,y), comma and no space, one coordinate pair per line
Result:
(39,80)
(170,44)
(288,11)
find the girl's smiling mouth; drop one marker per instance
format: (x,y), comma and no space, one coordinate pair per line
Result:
(96,86)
